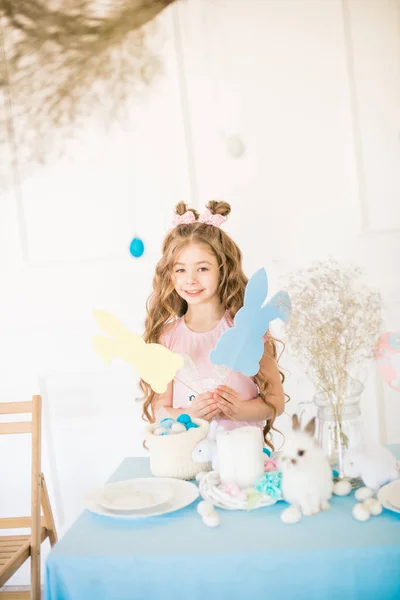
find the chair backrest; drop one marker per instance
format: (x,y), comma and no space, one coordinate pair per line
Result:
(15,408)
(34,427)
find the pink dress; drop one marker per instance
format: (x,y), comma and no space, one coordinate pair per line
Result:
(199,372)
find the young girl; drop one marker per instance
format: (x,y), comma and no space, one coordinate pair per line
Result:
(198,288)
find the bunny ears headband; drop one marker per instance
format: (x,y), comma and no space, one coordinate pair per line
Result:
(206,217)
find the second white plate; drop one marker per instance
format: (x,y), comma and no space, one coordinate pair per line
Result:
(389,496)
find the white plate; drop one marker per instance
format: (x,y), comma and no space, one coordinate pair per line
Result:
(135,494)
(389,496)
(183,494)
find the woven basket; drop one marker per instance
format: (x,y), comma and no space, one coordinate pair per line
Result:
(171,455)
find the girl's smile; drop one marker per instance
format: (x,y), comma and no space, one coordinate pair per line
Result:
(196,274)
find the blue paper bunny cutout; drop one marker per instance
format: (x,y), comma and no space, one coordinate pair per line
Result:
(242,347)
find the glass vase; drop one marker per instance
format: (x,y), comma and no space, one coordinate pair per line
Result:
(339,426)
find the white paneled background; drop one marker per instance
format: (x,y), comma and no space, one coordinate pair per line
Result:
(310,91)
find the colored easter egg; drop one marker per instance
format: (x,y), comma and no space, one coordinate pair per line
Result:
(167,423)
(184,419)
(136,248)
(191,425)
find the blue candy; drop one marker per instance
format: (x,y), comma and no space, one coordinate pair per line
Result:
(184,419)
(167,423)
(191,425)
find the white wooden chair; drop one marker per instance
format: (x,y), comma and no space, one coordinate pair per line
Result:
(16,549)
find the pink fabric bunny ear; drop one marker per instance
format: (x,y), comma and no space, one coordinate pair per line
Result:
(209,219)
(186,219)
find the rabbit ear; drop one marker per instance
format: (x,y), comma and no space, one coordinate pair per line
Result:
(256,290)
(212,430)
(278,307)
(111,325)
(295,423)
(310,427)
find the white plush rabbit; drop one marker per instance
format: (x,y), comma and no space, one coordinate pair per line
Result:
(206,449)
(307,482)
(375,465)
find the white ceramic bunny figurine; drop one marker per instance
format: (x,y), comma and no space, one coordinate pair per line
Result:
(376,466)
(206,449)
(307,482)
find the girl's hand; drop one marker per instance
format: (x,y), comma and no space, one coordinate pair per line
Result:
(204,406)
(228,400)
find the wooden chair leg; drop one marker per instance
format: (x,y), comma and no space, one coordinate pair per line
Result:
(48,513)
(36,497)
(36,593)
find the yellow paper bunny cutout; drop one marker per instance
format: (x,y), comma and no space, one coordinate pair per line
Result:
(154,363)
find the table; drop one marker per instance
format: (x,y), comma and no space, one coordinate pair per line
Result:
(250,556)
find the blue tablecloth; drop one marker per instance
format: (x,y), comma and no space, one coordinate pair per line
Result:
(251,556)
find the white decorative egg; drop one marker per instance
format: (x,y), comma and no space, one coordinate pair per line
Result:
(211,520)
(374,506)
(342,488)
(363,493)
(235,146)
(361,512)
(205,508)
(160,431)
(178,428)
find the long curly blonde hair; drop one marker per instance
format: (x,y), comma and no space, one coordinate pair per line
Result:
(164,304)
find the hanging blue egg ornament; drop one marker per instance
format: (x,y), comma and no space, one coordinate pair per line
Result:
(136,248)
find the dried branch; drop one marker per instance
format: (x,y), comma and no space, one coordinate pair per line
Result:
(334,325)
(71,62)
